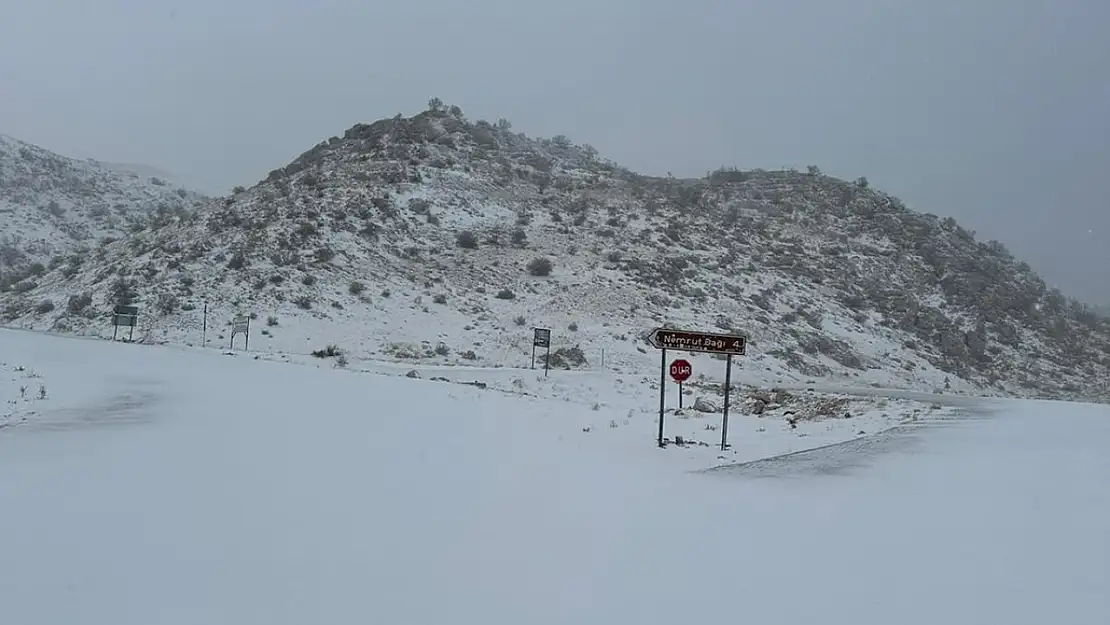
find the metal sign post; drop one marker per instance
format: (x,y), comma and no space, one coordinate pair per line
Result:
(728,385)
(728,345)
(662,395)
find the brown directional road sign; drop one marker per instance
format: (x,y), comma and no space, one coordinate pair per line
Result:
(704,342)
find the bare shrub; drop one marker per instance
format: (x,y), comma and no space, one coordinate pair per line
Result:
(540,266)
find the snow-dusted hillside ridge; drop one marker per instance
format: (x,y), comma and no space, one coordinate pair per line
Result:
(52,206)
(436,238)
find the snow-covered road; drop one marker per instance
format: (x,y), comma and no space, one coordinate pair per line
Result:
(167,486)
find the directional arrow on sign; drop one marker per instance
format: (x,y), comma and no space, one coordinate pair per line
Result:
(703,342)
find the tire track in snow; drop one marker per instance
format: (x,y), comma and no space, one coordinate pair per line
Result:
(856,454)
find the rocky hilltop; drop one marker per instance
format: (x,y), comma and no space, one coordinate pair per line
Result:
(435,237)
(52,206)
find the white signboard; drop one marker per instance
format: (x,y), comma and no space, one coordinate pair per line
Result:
(240,325)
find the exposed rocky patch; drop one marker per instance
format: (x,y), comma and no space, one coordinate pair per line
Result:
(56,213)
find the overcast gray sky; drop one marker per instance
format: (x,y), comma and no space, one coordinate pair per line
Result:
(993,111)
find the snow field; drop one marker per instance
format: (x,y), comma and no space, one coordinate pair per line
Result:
(175,485)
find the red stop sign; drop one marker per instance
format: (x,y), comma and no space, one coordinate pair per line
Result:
(681,370)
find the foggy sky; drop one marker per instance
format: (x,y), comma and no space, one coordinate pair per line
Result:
(992,111)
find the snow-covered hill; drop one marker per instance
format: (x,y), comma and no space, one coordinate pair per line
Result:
(52,206)
(440,240)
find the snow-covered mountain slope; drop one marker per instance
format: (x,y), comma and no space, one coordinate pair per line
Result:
(434,238)
(52,206)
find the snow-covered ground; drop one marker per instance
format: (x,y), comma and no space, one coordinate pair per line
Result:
(179,485)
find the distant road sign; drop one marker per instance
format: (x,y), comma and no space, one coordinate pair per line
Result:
(681,370)
(126,321)
(541,337)
(704,342)
(126,317)
(240,325)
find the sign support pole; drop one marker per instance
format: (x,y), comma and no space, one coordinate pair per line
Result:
(533,354)
(728,386)
(547,360)
(662,395)
(115,328)
(247,337)
(204,328)
(680,395)
(131,334)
